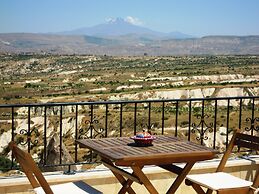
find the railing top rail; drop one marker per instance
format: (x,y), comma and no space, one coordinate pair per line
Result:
(123,101)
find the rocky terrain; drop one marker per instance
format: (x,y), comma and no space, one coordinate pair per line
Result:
(51,78)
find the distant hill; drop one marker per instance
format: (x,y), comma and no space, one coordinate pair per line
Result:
(120,27)
(130,44)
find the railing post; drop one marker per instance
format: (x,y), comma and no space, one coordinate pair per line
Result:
(176,118)
(69,171)
(190,120)
(163,117)
(135,118)
(215,123)
(60,135)
(76,132)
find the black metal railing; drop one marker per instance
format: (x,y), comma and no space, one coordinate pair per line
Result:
(206,121)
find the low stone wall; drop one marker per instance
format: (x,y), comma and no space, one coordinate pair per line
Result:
(102,179)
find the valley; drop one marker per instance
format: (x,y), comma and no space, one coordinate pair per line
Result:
(69,78)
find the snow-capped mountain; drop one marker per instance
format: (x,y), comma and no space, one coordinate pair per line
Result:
(121,27)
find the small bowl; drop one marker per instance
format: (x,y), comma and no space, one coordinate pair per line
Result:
(143,141)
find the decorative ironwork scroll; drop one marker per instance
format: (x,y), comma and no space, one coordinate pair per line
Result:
(253,122)
(202,127)
(91,131)
(28,134)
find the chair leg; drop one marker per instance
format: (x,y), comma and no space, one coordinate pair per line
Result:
(209,191)
(196,187)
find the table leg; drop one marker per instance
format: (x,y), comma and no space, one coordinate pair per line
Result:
(126,184)
(138,171)
(126,187)
(180,178)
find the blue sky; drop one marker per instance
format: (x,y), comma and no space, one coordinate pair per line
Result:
(195,17)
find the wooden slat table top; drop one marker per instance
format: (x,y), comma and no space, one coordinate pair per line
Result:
(165,149)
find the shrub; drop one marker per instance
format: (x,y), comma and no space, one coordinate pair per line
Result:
(6,164)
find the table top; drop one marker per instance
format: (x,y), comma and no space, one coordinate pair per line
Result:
(165,150)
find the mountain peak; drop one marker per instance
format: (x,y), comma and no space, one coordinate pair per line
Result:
(123,26)
(118,21)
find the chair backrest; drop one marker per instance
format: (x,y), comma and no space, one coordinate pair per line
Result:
(247,141)
(30,168)
(241,140)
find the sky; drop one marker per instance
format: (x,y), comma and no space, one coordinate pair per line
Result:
(193,17)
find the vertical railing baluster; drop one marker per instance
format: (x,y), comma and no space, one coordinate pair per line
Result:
(215,123)
(135,118)
(60,134)
(76,133)
(91,129)
(106,120)
(202,122)
(190,120)
(29,129)
(149,116)
(91,120)
(121,120)
(176,118)
(13,129)
(240,114)
(45,136)
(253,117)
(163,117)
(227,123)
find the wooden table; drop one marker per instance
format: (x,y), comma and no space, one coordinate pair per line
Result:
(165,151)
